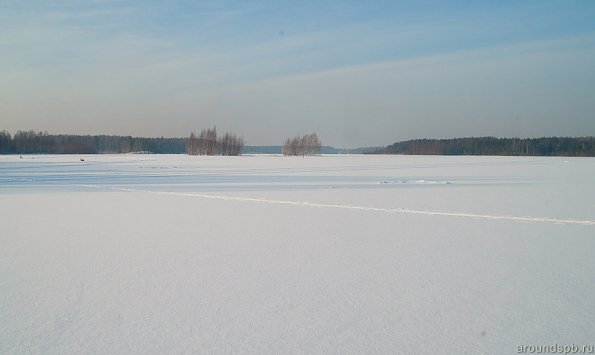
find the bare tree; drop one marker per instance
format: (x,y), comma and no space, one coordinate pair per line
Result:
(192,146)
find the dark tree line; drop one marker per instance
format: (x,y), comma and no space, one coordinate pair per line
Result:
(547,146)
(306,145)
(207,143)
(31,142)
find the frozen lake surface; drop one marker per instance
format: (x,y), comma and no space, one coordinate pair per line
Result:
(269,254)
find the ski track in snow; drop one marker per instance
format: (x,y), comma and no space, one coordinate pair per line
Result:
(552,220)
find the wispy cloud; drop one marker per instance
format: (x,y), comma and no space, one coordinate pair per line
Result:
(359,73)
(523,90)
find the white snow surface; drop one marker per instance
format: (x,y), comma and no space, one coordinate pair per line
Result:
(137,254)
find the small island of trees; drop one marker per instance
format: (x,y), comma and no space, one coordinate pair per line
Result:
(207,143)
(309,144)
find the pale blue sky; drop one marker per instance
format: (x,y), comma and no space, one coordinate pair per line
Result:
(356,72)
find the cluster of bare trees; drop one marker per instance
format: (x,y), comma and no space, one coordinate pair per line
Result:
(207,143)
(305,145)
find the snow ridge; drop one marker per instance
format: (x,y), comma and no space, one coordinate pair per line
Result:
(553,220)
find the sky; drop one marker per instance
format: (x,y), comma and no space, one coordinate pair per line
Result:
(358,73)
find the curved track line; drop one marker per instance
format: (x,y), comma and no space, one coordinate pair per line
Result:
(361,208)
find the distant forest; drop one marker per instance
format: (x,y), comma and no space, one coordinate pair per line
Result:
(31,142)
(547,146)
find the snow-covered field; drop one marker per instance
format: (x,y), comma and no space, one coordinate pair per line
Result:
(267,254)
